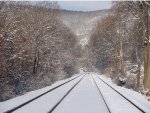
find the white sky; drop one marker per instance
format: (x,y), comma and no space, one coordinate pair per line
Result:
(85,5)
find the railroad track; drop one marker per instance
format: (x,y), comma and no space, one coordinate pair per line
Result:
(117,92)
(84,98)
(64,96)
(101,95)
(37,97)
(85,93)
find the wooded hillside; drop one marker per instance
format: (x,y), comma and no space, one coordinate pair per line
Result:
(35,47)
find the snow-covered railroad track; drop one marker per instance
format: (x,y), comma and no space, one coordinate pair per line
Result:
(132,103)
(116,101)
(19,106)
(85,93)
(84,98)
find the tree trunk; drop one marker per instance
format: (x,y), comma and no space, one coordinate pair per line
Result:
(36,62)
(145,63)
(121,66)
(146,81)
(139,69)
(147,76)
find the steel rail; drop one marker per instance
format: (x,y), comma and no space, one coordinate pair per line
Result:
(27,102)
(101,95)
(65,95)
(122,95)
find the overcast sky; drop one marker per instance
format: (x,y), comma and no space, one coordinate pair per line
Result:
(85,5)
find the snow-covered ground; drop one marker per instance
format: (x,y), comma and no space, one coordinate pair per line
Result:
(85,97)
(10,104)
(136,98)
(125,91)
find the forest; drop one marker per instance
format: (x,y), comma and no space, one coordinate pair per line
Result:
(36,48)
(40,43)
(119,45)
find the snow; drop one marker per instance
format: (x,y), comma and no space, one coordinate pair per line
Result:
(10,104)
(84,98)
(116,103)
(45,103)
(133,96)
